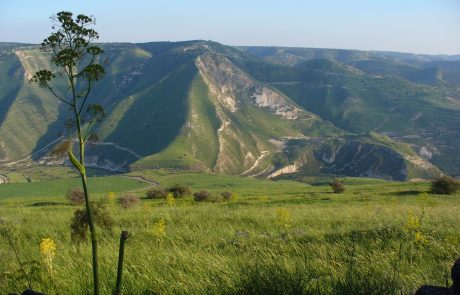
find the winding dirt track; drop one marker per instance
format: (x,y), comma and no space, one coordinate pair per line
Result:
(3,179)
(256,163)
(143,179)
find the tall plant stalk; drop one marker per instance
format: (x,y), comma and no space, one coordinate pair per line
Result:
(76,60)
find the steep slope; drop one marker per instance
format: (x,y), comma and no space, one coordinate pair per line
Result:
(373,93)
(25,113)
(233,121)
(205,106)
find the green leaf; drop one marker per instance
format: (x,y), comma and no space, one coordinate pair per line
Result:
(76,163)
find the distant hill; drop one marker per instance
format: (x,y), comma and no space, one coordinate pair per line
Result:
(252,111)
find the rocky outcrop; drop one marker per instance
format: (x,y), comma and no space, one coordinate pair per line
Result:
(234,87)
(285,170)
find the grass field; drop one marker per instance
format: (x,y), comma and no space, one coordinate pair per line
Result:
(280,237)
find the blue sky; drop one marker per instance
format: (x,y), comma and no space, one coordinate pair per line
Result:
(420,26)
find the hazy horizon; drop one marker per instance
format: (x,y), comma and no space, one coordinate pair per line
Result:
(421,27)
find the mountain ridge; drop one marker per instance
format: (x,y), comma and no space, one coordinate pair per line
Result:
(205,106)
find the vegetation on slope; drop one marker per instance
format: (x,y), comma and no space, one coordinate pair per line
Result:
(377,237)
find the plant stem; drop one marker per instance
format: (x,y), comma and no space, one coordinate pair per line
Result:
(92,231)
(123,237)
(89,211)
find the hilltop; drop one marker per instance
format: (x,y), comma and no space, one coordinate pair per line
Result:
(267,112)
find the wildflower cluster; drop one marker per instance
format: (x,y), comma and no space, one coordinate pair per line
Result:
(159,228)
(111,197)
(48,251)
(283,218)
(234,198)
(413,229)
(170,200)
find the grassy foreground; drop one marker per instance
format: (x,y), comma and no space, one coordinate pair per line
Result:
(277,238)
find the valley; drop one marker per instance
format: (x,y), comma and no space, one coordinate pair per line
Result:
(204,106)
(223,165)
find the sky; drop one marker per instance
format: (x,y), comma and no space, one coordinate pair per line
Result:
(417,26)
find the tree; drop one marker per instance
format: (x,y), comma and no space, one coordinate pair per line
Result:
(76,62)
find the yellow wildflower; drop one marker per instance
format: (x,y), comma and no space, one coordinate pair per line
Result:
(420,238)
(159,228)
(283,217)
(234,198)
(111,197)
(48,250)
(170,200)
(413,222)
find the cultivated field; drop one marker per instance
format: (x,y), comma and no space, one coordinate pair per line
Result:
(280,237)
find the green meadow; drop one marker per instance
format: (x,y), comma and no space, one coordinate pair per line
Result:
(274,237)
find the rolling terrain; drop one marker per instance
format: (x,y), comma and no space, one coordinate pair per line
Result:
(377,237)
(265,112)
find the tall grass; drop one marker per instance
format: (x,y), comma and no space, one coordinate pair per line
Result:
(355,243)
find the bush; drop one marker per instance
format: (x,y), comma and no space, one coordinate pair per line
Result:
(79,223)
(129,201)
(180,191)
(227,196)
(157,193)
(204,196)
(337,186)
(76,196)
(444,185)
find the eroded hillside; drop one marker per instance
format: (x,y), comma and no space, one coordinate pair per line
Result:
(204,106)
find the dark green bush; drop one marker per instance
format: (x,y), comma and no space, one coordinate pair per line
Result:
(337,186)
(128,201)
(75,196)
(204,196)
(227,196)
(444,185)
(157,193)
(79,223)
(180,191)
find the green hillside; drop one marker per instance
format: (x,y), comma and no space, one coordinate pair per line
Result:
(250,111)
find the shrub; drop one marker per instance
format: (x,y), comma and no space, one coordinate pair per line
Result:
(157,193)
(75,196)
(79,223)
(128,201)
(227,196)
(337,186)
(180,191)
(444,185)
(204,196)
